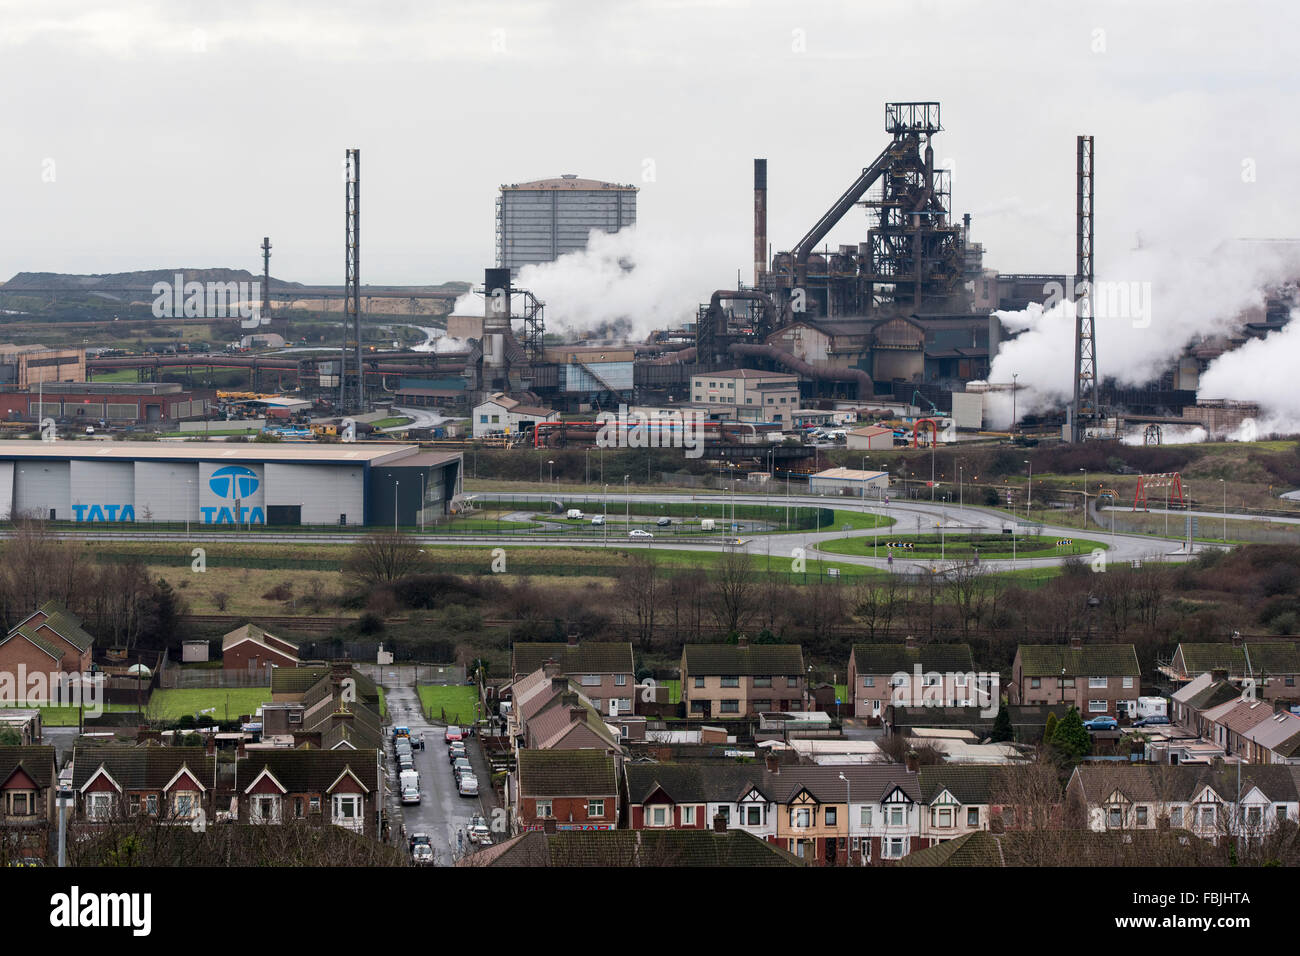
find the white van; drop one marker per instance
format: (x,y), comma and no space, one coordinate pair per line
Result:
(573,514)
(410,786)
(707,524)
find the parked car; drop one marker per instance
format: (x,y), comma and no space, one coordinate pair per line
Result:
(417,741)
(1152,721)
(664,522)
(478,831)
(422,855)
(405,762)
(410,795)
(461,765)
(638,533)
(456,751)
(467,785)
(452,733)
(1101,723)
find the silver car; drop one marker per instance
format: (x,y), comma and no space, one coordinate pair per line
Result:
(467,785)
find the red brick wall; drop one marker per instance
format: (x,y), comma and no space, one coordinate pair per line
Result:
(239,656)
(563,807)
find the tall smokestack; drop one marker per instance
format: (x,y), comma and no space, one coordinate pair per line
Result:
(496,315)
(760,220)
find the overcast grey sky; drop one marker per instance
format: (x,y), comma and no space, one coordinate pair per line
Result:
(176,135)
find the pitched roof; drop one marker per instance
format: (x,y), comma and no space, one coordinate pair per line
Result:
(310,770)
(566,773)
(694,783)
(66,624)
(968,783)
(1240,715)
(586,657)
(251,632)
(36,761)
(1091,660)
(881,658)
(1204,692)
(635,848)
(1020,848)
(1182,782)
(138,767)
(1271,658)
(756,659)
(29,633)
(555,721)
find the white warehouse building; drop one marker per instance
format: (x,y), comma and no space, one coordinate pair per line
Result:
(226,483)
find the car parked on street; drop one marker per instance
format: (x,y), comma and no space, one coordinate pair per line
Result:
(417,741)
(467,785)
(456,750)
(461,765)
(1101,723)
(478,831)
(452,733)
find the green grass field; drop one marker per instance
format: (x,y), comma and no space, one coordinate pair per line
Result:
(229,703)
(458,701)
(69,716)
(958,547)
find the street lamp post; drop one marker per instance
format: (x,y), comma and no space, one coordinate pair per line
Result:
(627,506)
(1029,497)
(397,488)
(1085,498)
(848,810)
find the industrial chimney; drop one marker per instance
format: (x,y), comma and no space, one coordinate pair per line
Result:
(496,315)
(760,220)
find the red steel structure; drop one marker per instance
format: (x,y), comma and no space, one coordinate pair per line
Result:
(1173,481)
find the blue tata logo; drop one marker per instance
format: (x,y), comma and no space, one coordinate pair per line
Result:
(233,483)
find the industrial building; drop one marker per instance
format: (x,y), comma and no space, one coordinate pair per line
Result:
(226,483)
(29,365)
(88,403)
(849,481)
(542,220)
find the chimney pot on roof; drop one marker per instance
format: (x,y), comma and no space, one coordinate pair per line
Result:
(548,825)
(573,637)
(1076,642)
(719,823)
(773,765)
(909,642)
(559,685)
(742,640)
(550,668)
(577,715)
(912,761)
(1236,639)
(1218,674)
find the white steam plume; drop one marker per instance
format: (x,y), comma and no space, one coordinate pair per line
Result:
(631,281)
(1264,371)
(1148,307)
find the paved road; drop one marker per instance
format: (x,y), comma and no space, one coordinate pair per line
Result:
(442,811)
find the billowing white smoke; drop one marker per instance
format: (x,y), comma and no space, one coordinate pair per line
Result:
(1264,371)
(627,283)
(1153,303)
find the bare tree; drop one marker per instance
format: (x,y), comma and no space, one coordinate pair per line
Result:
(384,557)
(734,583)
(639,597)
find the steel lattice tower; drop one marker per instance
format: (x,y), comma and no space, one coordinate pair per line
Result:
(352,285)
(266,279)
(1085,337)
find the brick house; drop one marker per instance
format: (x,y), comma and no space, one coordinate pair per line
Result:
(48,641)
(689,796)
(115,782)
(603,671)
(874,675)
(340,787)
(1095,678)
(566,789)
(1274,667)
(1190,702)
(739,680)
(28,781)
(249,648)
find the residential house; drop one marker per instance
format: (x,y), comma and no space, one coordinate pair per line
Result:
(249,648)
(958,799)
(51,642)
(1206,801)
(328,706)
(603,671)
(341,787)
(691,796)
(28,781)
(1274,667)
(116,782)
(1253,730)
(740,680)
(551,713)
(882,673)
(1095,678)
(572,789)
(851,813)
(1204,692)
(633,848)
